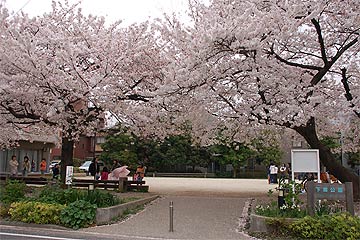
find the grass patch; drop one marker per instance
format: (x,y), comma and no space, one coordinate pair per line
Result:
(127,213)
(129,199)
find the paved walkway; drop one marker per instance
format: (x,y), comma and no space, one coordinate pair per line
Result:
(194,218)
(203,209)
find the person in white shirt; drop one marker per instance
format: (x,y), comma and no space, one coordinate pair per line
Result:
(273,173)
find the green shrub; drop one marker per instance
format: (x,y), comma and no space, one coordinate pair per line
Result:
(292,203)
(55,194)
(102,198)
(4,210)
(278,226)
(77,162)
(35,212)
(328,207)
(272,210)
(78,214)
(336,226)
(13,191)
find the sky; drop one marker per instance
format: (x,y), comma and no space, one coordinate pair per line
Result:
(130,11)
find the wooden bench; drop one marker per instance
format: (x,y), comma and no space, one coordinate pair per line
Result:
(95,183)
(136,185)
(27,180)
(127,185)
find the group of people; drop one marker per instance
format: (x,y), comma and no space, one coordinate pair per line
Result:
(94,169)
(106,174)
(274,171)
(26,166)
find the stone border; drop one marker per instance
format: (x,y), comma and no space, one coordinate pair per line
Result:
(105,215)
(258,223)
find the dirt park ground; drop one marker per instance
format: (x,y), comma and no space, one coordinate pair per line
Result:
(209,186)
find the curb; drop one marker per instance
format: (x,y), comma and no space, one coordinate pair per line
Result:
(105,215)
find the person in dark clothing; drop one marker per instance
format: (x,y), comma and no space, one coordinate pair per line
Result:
(56,171)
(94,169)
(115,165)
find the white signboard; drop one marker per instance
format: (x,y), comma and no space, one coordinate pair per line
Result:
(305,161)
(69,175)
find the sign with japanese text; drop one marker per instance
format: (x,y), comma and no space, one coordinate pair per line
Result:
(330,191)
(69,175)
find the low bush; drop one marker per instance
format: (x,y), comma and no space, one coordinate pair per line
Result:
(78,214)
(35,212)
(13,191)
(292,207)
(53,205)
(102,199)
(335,226)
(326,207)
(55,194)
(272,210)
(4,210)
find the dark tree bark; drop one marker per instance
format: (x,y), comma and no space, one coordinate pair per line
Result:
(67,149)
(327,158)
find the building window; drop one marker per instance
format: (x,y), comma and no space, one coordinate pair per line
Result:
(100,140)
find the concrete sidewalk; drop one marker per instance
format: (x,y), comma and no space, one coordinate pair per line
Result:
(194,218)
(204,208)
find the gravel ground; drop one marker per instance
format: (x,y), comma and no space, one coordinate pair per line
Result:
(221,187)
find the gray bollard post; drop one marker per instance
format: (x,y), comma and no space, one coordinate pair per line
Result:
(171,207)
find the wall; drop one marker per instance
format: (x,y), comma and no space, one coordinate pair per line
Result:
(34,150)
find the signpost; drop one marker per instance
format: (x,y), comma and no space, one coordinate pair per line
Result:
(330,191)
(308,161)
(69,175)
(305,161)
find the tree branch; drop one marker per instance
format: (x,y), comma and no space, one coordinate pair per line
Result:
(317,78)
(348,95)
(321,40)
(299,65)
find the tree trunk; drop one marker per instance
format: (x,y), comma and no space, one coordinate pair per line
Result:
(234,172)
(66,156)
(327,158)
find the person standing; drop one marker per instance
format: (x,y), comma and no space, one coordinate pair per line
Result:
(115,165)
(94,169)
(105,174)
(13,166)
(43,166)
(273,173)
(32,165)
(140,171)
(56,171)
(26,166)
(283,171)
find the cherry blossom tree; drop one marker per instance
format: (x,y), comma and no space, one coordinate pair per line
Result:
(64,71)
(286,63)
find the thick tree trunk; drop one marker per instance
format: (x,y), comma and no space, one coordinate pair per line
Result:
(66,156)
(327,158)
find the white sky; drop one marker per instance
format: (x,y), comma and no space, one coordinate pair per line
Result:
(130,11)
